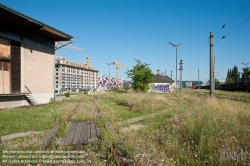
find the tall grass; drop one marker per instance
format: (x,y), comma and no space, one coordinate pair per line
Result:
(193,130)
(199,135)
(143,102)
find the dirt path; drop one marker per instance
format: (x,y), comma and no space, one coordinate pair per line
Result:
(16,135)
(141,118)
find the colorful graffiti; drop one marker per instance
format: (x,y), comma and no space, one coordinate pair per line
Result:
(109,82)
(162,88)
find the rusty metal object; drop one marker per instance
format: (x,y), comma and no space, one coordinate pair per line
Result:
(117,161)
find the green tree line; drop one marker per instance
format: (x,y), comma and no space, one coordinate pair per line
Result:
(233,75)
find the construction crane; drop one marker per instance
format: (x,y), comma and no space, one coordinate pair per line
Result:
(217,71)
(118,65)
(88,59)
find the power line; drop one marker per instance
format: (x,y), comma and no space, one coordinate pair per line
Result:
(223,37)
(223,26)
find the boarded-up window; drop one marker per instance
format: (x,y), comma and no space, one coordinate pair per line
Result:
(4,49)
(15,67)
(5,77)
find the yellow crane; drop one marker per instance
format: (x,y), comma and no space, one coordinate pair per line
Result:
(118,65)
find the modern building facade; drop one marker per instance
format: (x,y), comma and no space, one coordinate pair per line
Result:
(109,82)
(27,48)
(74,76)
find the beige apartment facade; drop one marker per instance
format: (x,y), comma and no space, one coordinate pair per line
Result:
(74,76)
(27,49)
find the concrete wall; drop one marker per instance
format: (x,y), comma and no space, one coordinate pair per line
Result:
(42,98)
(161,87)
(12,101)
(110,82)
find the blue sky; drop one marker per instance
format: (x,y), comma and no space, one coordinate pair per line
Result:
(141,29)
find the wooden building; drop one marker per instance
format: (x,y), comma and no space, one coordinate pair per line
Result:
(27,48)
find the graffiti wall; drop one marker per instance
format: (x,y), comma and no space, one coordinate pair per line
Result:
(108,82)
(160,87)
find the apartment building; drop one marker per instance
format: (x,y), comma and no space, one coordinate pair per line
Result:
(74,76)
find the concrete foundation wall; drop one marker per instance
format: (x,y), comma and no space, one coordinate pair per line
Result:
(17,101)
(12,101)
(43,98)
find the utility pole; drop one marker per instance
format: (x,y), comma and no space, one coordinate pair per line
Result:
(198,78)
(211,64)
(180,74)
(245,72)
(171,74)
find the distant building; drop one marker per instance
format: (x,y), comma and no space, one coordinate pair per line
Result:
(106,82)
(189,84)
(27,48)
(162,83)
(222,81)
(74,76)
(127,83)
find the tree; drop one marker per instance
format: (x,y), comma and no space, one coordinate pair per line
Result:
(233,75)
(141,75)
(217,81)
(229,80)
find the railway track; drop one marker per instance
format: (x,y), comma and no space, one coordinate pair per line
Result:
(48,140)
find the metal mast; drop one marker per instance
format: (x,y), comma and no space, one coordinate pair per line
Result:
(176,46)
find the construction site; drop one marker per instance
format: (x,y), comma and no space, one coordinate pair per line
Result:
(73,76)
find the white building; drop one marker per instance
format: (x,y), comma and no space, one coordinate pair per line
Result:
(162,83)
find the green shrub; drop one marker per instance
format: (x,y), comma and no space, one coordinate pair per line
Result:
(67,94)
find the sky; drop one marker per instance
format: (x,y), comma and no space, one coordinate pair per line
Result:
(142,29)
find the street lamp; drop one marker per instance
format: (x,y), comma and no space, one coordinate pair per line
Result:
(245,73)
(109,67)
(176,46)
(109,72)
